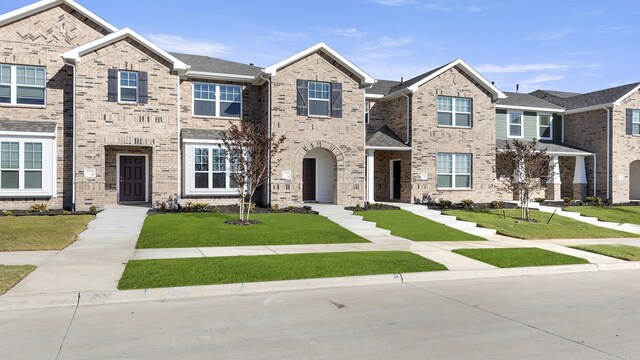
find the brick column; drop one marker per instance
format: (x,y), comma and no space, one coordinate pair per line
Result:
(554,184)
(580,180)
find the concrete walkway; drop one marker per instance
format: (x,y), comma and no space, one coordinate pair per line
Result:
(95,261)
(631,228)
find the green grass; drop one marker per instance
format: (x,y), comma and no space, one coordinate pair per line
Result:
(414,227)
(619,251)
(520,257)
(11,275)
(209,229)
(560,227)
(142,274)
(616,214)
(29,233)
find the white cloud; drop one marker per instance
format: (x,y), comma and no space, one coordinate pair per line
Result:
(519,68)
(472,9)
(182,45)
(541,79)
(550,36)
(387,41)
(437,7)
(348,32)
(393,2)
(283,36)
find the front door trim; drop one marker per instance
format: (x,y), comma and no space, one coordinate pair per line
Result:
(146,174)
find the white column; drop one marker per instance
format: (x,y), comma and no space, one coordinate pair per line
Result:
(555,179)
(580,174)
(370,176)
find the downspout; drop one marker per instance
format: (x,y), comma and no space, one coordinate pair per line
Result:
(73,150)
(608,153)
(408,118)
(269,149)
(562,123)
(595,173)
(179,144)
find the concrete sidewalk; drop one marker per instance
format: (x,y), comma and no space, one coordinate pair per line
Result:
(95,261)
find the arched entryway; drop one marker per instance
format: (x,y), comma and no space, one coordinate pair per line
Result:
(634,180)
(319,176)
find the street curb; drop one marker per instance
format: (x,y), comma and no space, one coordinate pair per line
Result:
(89,298)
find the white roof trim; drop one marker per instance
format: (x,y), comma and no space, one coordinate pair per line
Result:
(389,148)
(373,96)
(497,94)
(75,54)
(365,79)
(219,76)
(588,108)
(525,108)
(43,5)
(619,101)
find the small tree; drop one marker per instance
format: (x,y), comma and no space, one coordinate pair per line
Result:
(524,170)
(251,150)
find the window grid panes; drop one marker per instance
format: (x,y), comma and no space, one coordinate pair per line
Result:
(454,171)
(454,111)
(544,131)
(9,165)
(635,122)
(514,125)
(128,86)
(319,98)
(217,100)
(201,168)
(213,169)
(24,85)
(5,84)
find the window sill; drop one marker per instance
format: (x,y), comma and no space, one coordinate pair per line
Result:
(5,105)
(215,117)
(129,103)
(24,194)
(206,193)
(319,116)
(454,127)
(515,137)
(454,189)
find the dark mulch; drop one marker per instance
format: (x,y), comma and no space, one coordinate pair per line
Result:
(375,206)
(239,222)
(53,212)
(476,206)
(235,209)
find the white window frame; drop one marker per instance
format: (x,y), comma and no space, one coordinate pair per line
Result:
(454,112)
(14,86)
(635,120)
(190,179)
(217,101)
(367,111)
(550,126)
(120,86)
(49,164)
(454,172)
(521,136)
(309,98)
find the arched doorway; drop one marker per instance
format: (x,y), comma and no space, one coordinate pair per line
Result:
(634,180)
(319,176)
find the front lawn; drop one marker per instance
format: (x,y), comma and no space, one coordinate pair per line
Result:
(619,251)
(10,275)
(142,274)
(30,233)
(520,257)
(616,214)
(414,227)
(560,227)
(208,230)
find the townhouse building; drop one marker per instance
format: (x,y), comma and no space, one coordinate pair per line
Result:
(92,115)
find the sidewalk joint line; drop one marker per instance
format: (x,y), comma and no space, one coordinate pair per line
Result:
(200,250)
(273,251)
(68,327)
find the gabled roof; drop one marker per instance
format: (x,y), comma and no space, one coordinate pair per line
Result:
(381,87)
(74,55)
(605,97)
(560,94)
(384,139)
(412,85)
(209,67)
(526,101)
(365,79)
(44,5)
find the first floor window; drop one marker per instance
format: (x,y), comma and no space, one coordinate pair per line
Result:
(544,127)
(635,122)
(454,111)
(128,86)
(217,100)
(22,85)
(514,124)
(211,170)
(319,99)
(454,171)
(26,167)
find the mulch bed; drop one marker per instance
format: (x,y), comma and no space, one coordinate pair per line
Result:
(372,207)
(235,209)
(239,222)
(57,212)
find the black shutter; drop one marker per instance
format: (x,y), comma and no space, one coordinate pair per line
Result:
(336,100)
(112,87)
(303,97)
(143,87)
(629,121)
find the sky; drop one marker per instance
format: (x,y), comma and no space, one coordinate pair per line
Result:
(569,45)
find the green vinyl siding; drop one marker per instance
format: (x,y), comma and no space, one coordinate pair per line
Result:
(530,120)
(501,124)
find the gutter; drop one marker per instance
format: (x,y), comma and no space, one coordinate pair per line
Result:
(608,152)
(408,118)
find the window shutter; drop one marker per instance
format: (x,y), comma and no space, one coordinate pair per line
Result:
(303,97)
(336,100)
(629,121)
(112,87)
(143,87)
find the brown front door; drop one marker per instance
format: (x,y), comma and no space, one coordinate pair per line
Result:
(308,179)
(132,178)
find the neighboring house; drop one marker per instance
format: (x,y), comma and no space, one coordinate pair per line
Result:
(91,115)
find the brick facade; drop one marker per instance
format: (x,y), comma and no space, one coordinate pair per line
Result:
(625,149)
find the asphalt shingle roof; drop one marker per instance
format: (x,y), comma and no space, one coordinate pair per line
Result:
(202,134)
(527,100)
(600,97)
(384,137)
(28,126)
(382,87)
(550,147)
(219,66)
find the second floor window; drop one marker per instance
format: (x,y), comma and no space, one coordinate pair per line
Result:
(514,124)
(217,100)
(128,86)
(319,99)
(454,111)
(635,122)
(545,130)
(22,85)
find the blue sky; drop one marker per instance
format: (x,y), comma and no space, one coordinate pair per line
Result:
(563,45)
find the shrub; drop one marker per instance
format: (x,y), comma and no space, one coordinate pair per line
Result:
(497,204)
(172,204)
(539,199)
(93,209)
(195,207)
(66,212)
(567,200)
(39,207)
(594,200)
(216,209)
(467,203)
(8,213)
(358,207)
(276,207)
(445,204)
(290,208)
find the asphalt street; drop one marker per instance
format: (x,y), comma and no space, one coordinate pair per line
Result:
(571,316)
